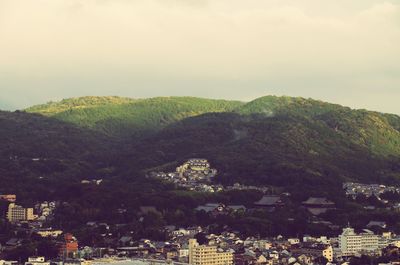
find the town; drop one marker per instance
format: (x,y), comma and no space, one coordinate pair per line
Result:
(196,245)
(201,244)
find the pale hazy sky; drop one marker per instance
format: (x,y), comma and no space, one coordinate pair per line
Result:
(342,51)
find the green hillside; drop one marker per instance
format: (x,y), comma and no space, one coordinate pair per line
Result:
(126,117)
(282,141)
(272,140)
(37,152)
(300,146)
(378,132)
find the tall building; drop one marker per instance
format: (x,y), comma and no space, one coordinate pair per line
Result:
(207,255)
(18,213)
(351,243)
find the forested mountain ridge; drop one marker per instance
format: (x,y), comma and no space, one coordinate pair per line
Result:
(272,140)
(377,131)
(37,152)
(120,117)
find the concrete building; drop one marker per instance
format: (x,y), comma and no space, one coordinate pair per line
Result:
(207,255)
(315,250)
(18,213)
(351,243)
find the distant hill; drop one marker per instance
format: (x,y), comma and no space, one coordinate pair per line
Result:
(279,141)
(34,147)
(378,132)
(117,116)
(283,141)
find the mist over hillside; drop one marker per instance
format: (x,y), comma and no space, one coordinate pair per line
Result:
(4,105)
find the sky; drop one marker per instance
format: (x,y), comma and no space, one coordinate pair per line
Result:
(341,51)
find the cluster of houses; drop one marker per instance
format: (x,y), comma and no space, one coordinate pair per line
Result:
(231,248)
(184,245)
(45,211)
(197,245)
(353,189)
(66,243)
(31,221)
(37,216)
(195,174)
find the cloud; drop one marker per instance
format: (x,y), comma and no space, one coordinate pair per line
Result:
(58,48)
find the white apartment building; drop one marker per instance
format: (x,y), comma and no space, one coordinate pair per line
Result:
(207,255)
(351,243)
(18,213)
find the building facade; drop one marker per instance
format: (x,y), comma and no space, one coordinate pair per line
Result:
(207,255)
(315,250)
(18,213)
(351,243)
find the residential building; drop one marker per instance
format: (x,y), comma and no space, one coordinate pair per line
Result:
(18,213)
(351,243)
(315,250)
(207,255)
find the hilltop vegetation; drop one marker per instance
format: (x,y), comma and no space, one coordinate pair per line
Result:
(376,131)
(129,117)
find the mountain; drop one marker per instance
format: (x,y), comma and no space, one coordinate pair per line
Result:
(36,152)
(298,146)
(279,141)
(376,131)
(122,117)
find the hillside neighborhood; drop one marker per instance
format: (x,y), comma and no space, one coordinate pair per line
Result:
(198,245)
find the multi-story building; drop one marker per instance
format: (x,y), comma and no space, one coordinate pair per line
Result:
(351,243)
(207,255)
(18,213)
(315,250)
